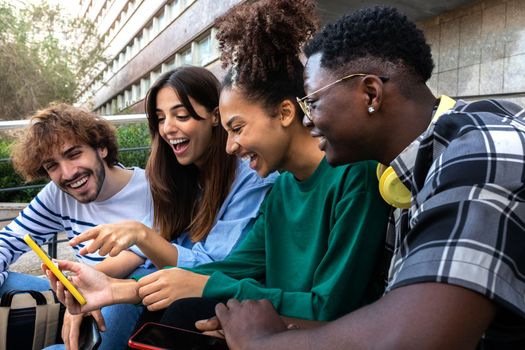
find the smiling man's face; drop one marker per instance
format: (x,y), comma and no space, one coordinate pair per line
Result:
(339,114)
(77,169)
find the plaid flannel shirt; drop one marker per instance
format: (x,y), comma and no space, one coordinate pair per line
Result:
(466,223)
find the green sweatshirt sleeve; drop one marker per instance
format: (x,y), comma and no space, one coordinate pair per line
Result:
(341,281)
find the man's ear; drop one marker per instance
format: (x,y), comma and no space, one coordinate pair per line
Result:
(373,88)
(287,112)
(102,152)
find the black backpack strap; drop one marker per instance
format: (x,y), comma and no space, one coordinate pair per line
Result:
(7,298)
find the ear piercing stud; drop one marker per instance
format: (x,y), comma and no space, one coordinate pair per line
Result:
(371,109)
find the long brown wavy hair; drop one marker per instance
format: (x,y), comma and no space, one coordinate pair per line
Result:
(186,198)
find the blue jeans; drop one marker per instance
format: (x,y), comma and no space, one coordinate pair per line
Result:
(120,321)
(21,281)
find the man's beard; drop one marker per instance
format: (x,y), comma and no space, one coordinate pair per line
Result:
(99,174)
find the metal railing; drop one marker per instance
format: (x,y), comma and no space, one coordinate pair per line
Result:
(125,118)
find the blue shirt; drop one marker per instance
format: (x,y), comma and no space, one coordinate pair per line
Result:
(234,219)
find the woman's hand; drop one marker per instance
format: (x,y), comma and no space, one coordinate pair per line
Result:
(112,238)
(96,287)
(159,289)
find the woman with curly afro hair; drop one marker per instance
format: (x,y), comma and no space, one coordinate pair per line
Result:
(312,250)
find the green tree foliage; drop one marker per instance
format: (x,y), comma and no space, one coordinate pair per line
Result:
(134,143)
(9,179)
(44,56)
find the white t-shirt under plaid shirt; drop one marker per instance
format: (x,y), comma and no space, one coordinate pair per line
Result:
(466,223)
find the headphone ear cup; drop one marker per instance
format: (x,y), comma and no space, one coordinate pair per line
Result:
(393,191)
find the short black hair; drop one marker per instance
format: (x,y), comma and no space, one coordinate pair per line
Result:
(376,33)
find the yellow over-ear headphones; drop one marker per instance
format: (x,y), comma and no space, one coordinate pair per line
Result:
(393,191)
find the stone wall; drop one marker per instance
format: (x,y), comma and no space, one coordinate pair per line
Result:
(479,50)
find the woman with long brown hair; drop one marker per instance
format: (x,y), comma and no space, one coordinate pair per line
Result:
(204,199)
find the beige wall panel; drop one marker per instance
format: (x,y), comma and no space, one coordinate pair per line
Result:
(470,40)
(449,46)
(468,80)
(448,83)
(491,77)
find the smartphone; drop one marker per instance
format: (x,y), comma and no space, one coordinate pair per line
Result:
(47,260)
(156,336)
(89,337)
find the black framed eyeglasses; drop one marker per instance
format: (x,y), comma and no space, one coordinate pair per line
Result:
(305,104)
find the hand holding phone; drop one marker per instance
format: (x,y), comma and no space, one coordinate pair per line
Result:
(156,336)
(54,269)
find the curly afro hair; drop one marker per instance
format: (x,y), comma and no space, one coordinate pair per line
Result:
(377,33)
(261,43)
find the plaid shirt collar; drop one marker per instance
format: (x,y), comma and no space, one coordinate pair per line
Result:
(404,163)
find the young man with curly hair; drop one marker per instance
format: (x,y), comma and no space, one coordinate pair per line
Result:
(456,278)
(78,152)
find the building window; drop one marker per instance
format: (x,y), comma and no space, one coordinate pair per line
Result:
(204,51)
(185,57)
(127,98)
(155,28)
(153,76)
(168,65)
(135,48)
(144,86)
(162,19)
(141,41)
(135,92)
(120,102)
(175,9)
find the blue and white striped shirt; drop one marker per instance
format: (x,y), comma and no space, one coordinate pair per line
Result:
(53,211)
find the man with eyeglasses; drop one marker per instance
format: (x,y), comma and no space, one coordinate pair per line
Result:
(456,175)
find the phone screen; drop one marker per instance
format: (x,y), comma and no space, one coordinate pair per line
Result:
(158,336)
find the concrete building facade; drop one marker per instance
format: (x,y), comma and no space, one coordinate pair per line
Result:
(479,50)
(145,39)
(478,46)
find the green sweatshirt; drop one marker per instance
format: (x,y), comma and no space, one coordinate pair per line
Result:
(313,247)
